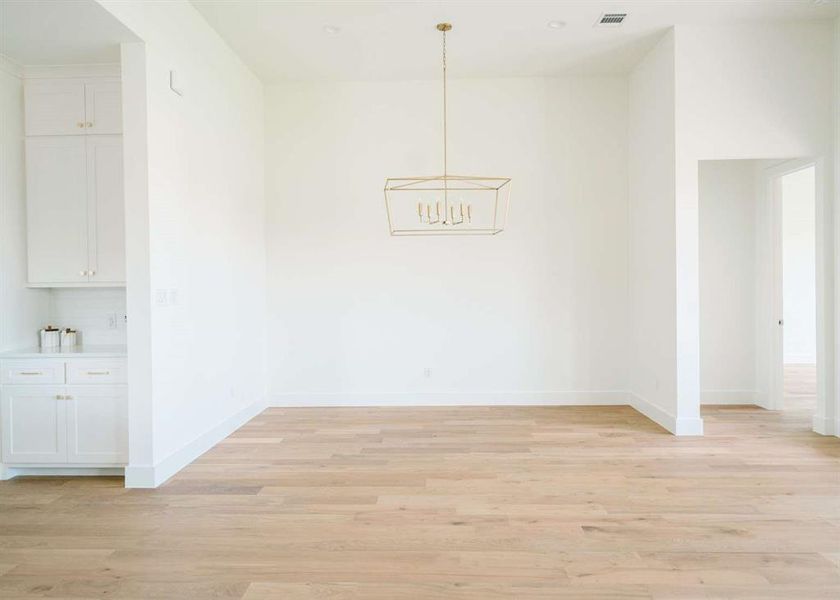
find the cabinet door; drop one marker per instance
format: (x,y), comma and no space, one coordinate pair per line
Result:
(106,209)
(34,421)
(103,108)
(56,209)
(54,107)
(97,424)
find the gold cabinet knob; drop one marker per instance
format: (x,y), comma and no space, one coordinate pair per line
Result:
(80,124)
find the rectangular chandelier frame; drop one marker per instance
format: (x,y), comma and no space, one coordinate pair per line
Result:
(491,195)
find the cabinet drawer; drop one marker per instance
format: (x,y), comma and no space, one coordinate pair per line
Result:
(31,371)
(96,371)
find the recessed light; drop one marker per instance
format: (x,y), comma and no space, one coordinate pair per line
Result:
(556,24)
(332,29)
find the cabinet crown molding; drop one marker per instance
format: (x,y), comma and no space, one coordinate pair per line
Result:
(88,72)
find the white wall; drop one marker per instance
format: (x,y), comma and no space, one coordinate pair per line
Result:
(22,311)
(652,356)
(728,278)
(537,314)
(744,92)
(799,267)
(202,343)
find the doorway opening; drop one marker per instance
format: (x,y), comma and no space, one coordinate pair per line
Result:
(760,255)
(797,190)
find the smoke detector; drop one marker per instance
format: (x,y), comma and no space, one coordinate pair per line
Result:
(611,20)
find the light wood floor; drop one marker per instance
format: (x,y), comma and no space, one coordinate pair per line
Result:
(800,388)
(449,503)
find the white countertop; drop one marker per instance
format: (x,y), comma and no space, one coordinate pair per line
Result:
(76,352)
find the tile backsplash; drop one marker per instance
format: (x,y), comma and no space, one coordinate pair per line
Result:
(99,313)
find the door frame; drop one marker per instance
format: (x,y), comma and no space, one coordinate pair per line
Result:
(773,189)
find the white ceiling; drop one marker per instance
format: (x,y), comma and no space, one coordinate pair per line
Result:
(286,40)
(60,32)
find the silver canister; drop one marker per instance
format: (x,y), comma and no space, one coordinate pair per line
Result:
(50,337)
(69,338)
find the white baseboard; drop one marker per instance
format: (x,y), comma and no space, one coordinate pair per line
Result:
(7,472)
(677,426)
(801,359)
(825,426)
(151,476)
(693,426)
(562,398)
(730,397)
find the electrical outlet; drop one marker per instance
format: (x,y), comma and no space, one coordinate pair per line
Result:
(161,298)
(427,372)
(113,321)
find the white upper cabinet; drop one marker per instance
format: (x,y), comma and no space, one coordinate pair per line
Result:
(72,107)
(105,209)
(74,182)
(103,108)
(75,210)
(57,209)
(54,107)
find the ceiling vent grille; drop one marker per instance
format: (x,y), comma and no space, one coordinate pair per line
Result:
(611,20)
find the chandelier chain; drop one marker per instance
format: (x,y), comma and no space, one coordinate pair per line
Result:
(445,171)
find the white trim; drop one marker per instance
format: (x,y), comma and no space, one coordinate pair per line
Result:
(801,359)
(13,68)
(677,426)
(89,284)
(684,426)
(559,398)
(93,71)
(825,426)
(7,472)
(151,476)
(832,404)
(731,397)
(775,382)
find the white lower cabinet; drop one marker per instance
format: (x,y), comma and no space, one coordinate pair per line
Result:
(96,424)
(34,424)
(65,425)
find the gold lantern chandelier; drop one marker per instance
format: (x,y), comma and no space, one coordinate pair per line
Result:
(447,204)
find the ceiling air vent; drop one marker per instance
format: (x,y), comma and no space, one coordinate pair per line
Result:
(611,20)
